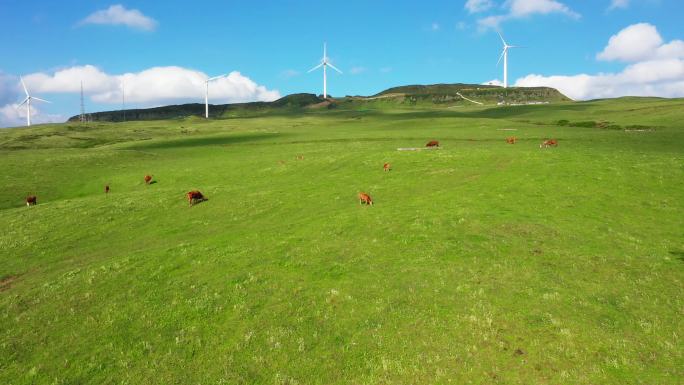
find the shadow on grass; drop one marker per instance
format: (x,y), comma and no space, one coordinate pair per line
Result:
(195,202)
(223,140)
(679,254)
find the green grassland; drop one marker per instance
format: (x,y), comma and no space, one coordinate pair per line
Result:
(479,263)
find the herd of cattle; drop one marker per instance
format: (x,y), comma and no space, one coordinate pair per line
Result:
(195,196)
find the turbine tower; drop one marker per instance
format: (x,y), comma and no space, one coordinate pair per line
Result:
(206,94)
(504,55)
(325,63)
(28,102)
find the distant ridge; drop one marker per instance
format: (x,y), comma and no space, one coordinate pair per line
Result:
(434,94)
(486,94)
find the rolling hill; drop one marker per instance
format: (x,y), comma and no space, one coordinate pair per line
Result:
(424,95)
(479,263)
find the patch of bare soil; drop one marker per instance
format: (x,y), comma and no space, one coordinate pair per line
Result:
(6,282)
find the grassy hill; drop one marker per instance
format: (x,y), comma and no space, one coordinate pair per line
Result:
(455,95)
(479,263)
(198,110)
(460,93)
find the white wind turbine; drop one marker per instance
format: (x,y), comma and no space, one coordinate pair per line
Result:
(28,102)
(325,63)
(206,94)
(504,55)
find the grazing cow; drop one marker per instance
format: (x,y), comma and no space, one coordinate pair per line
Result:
(511,140)
(106,189)
(148,179)
(548,143)
(195,196)
(432,143)
(365,199)
(386,167)
(31,200)
(300,157)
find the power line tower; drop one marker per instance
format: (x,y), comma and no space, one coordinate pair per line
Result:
(83,114)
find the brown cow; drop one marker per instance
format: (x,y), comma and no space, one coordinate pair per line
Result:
(365,199)
(195,196)
(432,143)
(148,179)
(548,143)
(511,140)
(31,200)
(106,189)
(386,167)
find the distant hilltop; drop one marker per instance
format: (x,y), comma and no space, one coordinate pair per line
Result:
(414,95)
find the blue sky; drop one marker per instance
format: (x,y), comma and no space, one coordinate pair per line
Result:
(163,49)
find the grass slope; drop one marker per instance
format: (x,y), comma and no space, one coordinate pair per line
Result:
(480,262)
(425,96)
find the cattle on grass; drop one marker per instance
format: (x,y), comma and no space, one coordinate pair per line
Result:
(148,179)
(365,199)
(195,196)
(432,143)
(386,167)
(511,140)
(549,143)
(31,200)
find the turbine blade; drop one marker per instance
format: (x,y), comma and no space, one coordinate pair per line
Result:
(335,68)
(216,77)
(24,102)
(502,39)
(42,100)
(500,57)
(23,85)
(316,67)
(325,50)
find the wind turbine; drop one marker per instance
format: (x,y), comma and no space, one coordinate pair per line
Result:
(206,94)
(28,102)
(325,63)
(504,55)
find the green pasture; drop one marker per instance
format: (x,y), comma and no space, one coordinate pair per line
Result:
(479,263)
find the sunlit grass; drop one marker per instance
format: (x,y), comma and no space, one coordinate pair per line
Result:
(479,263)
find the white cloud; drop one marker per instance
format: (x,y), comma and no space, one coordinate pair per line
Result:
(152,87)
(491,22)
(287,74)
(11,116)
(119,15)
(493,82)
(14,115)
(517,9)
(435,26)
(640,42)
(475,6)
(614,4)
(663,78)
(522,8)
(657,69)
(10,91)
(357,70)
